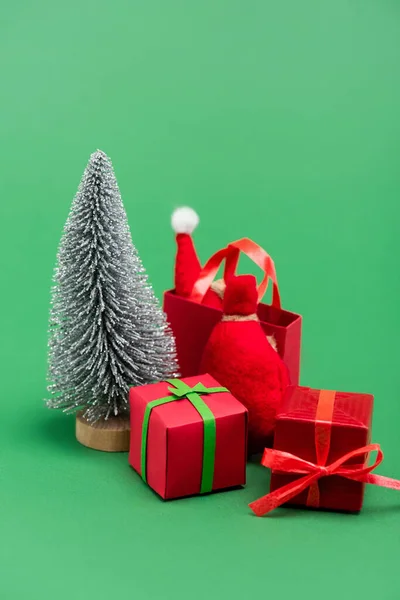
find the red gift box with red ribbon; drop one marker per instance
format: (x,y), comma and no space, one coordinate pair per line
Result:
(321,451)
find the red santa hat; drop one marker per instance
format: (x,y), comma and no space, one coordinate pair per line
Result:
(184,221)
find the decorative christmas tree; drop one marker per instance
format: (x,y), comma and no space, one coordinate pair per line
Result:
(107,331)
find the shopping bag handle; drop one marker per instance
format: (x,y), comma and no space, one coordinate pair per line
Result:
(231,256)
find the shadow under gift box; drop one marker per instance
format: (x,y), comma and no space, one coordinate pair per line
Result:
(350,429)
(175,440)
(192,324)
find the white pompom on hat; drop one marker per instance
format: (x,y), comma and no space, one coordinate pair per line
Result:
(184,220)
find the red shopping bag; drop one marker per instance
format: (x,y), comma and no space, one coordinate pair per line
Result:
(193,322)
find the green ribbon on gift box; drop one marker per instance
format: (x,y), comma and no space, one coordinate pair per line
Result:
(180,391)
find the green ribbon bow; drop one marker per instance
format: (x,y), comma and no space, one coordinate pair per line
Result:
(178,392)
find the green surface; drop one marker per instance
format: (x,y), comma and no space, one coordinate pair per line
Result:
(276,120)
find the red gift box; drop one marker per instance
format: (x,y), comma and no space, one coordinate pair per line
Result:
(301,429)
(188,436)
(193,322)
(320,453)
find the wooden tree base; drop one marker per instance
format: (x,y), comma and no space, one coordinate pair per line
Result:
(111,435)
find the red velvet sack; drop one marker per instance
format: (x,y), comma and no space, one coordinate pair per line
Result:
(193,322)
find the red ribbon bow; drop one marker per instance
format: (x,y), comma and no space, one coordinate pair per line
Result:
(289,463)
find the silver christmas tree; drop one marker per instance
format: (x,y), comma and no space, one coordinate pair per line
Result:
(107,331)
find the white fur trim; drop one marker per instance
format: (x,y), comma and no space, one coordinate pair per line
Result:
(184,220)
(218,287)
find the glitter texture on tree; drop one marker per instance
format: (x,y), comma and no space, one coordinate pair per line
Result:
(107,331)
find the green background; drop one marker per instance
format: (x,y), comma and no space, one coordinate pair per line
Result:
(275,120)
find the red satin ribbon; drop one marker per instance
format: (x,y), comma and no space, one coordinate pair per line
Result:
(289,463)
(231,255)
(323,430)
